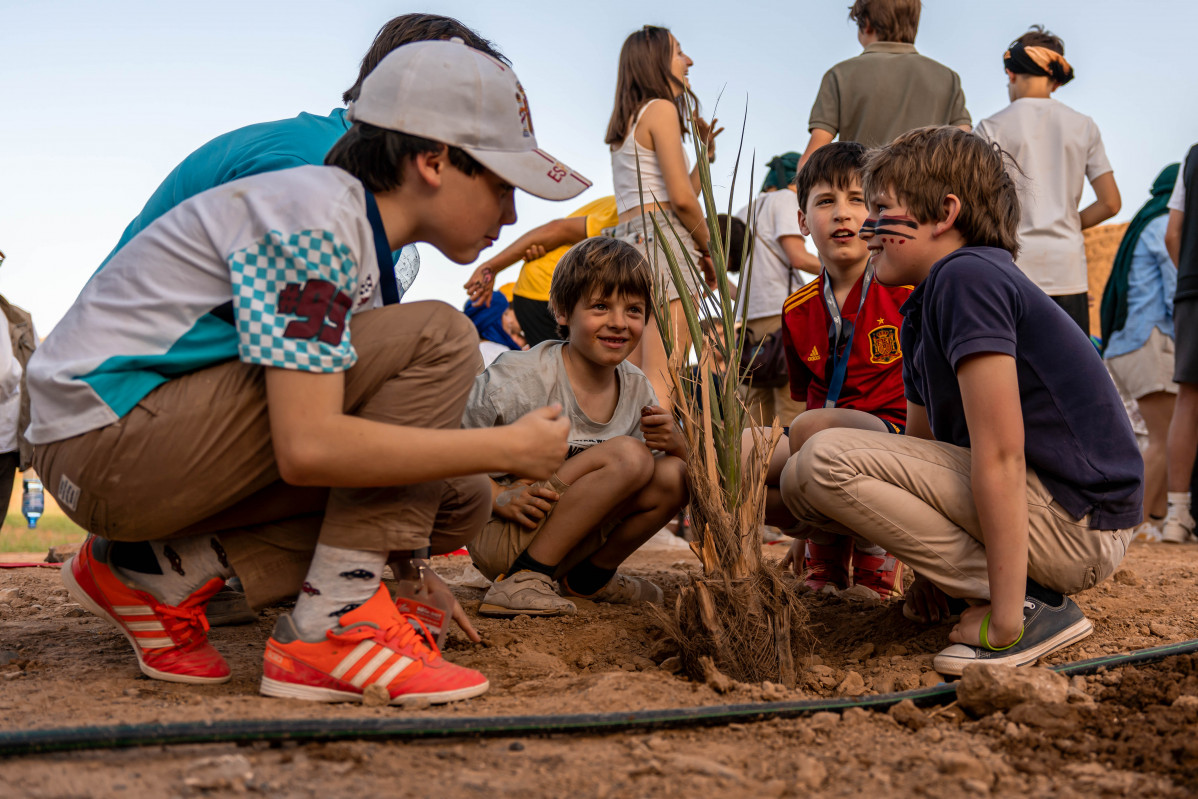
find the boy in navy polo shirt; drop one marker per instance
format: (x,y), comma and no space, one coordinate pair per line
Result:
(1019,479)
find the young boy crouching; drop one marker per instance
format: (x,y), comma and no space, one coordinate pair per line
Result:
(1018,480)
(612,493)
(840,335)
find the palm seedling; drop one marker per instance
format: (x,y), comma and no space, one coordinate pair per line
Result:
(741,617)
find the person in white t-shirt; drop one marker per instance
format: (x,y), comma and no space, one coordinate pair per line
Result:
(781,264)
(1054,148)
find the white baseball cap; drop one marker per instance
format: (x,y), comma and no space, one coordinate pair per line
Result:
(451,93)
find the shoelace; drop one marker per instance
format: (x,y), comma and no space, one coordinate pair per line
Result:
(424,632)
(396,633)
(183,620)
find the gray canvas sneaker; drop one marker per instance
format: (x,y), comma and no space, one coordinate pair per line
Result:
(1045,630)
(229,606)
(525,593)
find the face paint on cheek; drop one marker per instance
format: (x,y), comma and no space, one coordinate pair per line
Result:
(867,228)
(886,226)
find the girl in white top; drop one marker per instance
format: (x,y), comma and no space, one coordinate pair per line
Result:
(647,128)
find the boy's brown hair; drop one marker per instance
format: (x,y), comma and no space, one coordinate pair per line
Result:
(925,165)
(410,28)
(1039,36)
(891,20)
(838,164)
(599,266)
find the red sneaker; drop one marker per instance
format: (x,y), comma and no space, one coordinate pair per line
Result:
(372,645)
(827,565)
(171,643)
(882,574)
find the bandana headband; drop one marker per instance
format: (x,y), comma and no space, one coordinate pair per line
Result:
(1038,61)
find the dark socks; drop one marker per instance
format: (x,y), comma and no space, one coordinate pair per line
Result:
(1044,595)
(586,578)
(525,561)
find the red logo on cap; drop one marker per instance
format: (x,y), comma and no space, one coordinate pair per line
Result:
(525,114)
(557,172)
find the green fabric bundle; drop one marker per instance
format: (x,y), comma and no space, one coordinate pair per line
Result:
(1113,311)
(782,171)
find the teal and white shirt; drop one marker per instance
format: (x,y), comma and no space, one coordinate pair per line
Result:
(267,269)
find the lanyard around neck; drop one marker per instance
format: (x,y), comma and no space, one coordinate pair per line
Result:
(388,285)
(840,333)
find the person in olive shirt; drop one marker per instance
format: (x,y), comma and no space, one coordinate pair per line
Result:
(887,90)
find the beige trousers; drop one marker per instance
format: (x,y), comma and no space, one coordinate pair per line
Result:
(195,456)
(914,498)
(763,404)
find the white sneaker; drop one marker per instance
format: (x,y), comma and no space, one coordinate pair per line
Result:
(1177,531)
(525,593)
(623,589)
(1146,533)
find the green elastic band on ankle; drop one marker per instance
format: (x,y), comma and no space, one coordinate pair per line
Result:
(982,634)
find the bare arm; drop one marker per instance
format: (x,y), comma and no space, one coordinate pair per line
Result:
(917,422)
(990,395)
(1173,235)
(660,121)
(819,137)
(798,256)
(548,236)
(316,444)
(1107,201)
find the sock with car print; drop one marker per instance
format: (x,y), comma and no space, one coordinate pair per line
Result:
(339,580)
(173,569)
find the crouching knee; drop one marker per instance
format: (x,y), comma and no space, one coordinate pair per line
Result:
(628,457)
(801,477)
(669,481)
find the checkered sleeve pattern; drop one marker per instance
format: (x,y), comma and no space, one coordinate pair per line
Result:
(291,298)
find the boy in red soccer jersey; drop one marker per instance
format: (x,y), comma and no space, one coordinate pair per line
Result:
(840,333)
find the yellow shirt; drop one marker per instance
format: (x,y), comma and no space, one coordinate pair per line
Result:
(533,282)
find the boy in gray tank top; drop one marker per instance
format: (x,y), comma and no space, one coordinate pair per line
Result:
(566,536)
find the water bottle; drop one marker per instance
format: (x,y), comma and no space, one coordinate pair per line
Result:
(33,502)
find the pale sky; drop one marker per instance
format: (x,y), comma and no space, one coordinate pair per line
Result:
(104,99)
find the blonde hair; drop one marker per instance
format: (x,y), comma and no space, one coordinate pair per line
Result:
(925,165)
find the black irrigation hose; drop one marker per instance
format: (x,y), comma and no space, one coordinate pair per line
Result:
(303,730)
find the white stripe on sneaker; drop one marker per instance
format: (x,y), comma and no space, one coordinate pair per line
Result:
(154,643)
(133,610)
(145,626)
(347,662)
(393,672)
(372,666)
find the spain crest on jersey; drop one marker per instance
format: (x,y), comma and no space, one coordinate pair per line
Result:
(884,345)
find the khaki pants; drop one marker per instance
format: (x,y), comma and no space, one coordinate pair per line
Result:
(195,457)
(501,541)
(763,404)
(914,498)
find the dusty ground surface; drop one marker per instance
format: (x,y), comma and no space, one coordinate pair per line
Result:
(1132,732)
